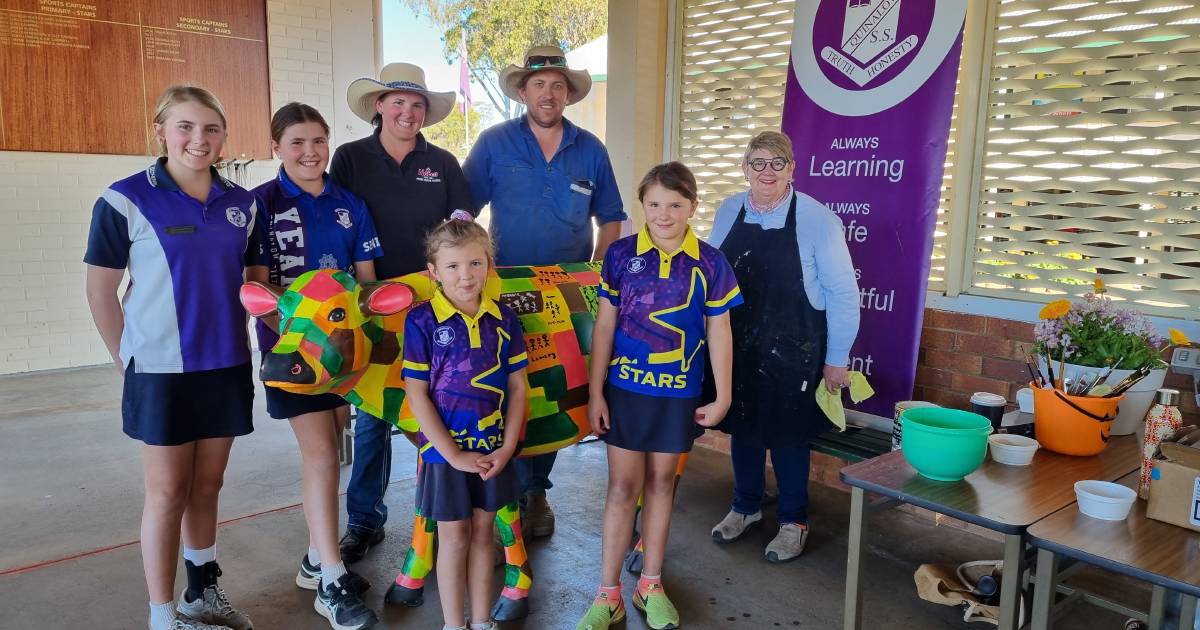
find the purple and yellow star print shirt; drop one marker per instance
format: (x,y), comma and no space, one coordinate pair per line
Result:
(662,299)
(466,361)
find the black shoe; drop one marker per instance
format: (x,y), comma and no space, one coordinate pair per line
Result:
(309,578)
(342,607)
(355,544)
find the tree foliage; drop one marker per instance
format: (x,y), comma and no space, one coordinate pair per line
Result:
(451,133)
(500,31)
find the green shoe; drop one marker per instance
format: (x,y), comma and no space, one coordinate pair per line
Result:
(660,612)
(600,616)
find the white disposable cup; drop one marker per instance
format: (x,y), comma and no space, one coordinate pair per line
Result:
(1104,500)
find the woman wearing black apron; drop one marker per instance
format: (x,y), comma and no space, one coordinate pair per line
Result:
(797,324)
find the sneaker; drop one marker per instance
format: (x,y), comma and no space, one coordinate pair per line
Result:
(788,543)
(212,607)
(601,615)
(309,577)
(357,542)
(343,608)
(660,612)
(734,526)
(185,623)
(538,519)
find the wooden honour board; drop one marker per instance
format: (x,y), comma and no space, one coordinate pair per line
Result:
(83,76)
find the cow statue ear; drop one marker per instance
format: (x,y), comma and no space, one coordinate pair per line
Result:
(259,299)
(384,298)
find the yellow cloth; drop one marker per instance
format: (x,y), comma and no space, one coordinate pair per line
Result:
(831,404)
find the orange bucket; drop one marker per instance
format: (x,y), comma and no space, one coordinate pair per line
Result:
(1072,425)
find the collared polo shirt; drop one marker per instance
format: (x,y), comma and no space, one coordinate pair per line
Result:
(299,233)
(405,200)
(542,211)
(662,299)
(467,361)
(186,262)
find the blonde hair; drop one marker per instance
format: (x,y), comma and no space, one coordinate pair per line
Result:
(175,95)
(456,233)
(774,142)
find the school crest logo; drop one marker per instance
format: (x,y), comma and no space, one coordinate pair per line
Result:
(235,216)
(861,57)
(443,335)
(428,175)
(636,264)
(868,46)
(328,261)
(343,218)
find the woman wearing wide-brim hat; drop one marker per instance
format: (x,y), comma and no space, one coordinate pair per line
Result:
(409,185)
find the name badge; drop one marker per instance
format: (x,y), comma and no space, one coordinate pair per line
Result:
(181,229)
(582,186)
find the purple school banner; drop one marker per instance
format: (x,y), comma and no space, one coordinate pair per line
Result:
(867,107)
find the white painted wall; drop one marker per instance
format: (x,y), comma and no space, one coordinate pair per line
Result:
(46,198)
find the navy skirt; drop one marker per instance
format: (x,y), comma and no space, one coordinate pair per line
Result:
(284,405)
(445,493)
(177,408)
(650,424)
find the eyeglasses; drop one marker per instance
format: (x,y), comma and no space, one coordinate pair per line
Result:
(760,164)
(541,61)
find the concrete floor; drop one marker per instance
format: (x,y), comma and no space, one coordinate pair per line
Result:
(70,503)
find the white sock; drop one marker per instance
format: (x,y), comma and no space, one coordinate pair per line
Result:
(314,557)
(200,556)
(331,572)
(161,615)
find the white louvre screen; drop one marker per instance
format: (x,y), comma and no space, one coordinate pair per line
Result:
(1091,163)
(733,66)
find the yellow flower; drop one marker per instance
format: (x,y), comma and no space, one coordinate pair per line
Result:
(1055,309)
(1098,286)
(1178,338)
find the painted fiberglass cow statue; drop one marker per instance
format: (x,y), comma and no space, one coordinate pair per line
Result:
(346,338)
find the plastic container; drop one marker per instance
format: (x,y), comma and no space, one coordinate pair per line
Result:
(1025,399)
(944,444)
(1073,425)
(1012,450)
(1104,500)
(901,407)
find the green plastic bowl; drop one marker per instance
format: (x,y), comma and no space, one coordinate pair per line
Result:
(944,444)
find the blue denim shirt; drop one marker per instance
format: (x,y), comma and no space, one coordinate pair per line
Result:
(541,211)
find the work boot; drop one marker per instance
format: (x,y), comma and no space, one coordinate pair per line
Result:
(734,526)
(538,520)
(357,542)
(788,543)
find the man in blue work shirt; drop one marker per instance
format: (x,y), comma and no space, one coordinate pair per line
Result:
(547,180)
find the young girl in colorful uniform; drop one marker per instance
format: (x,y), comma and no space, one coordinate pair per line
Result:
(179,338)
(464,369)
(308,222)
(667,296)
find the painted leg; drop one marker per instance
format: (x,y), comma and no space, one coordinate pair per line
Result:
(1011,614)
(1158,607)
(409,587)
(635,557)
(852,613)
(1044,590)
(513,602)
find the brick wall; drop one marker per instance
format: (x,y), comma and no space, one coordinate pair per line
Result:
(46,198)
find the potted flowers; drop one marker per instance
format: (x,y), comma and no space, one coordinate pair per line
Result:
(1083,338)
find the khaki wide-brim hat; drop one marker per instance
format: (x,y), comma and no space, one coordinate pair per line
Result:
(579,80)
(364,93)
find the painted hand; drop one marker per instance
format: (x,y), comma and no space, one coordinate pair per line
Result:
(495,462)
(712,414)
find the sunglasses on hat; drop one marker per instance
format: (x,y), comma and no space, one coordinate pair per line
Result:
(535,62)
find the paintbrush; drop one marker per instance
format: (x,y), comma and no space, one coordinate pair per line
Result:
(1104,376)
(1050,370)
(1037,378)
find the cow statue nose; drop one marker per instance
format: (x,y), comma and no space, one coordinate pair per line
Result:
(287,368)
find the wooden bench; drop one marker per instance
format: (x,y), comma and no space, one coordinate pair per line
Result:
(854,444)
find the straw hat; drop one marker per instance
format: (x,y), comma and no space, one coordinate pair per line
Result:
(363,93)
(545,58)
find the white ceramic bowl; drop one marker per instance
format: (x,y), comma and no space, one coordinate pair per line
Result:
(1104,500)
(1013,450)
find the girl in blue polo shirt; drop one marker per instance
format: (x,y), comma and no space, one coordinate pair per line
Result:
(308,222)
(178,335)
(464,375)
(666,302)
